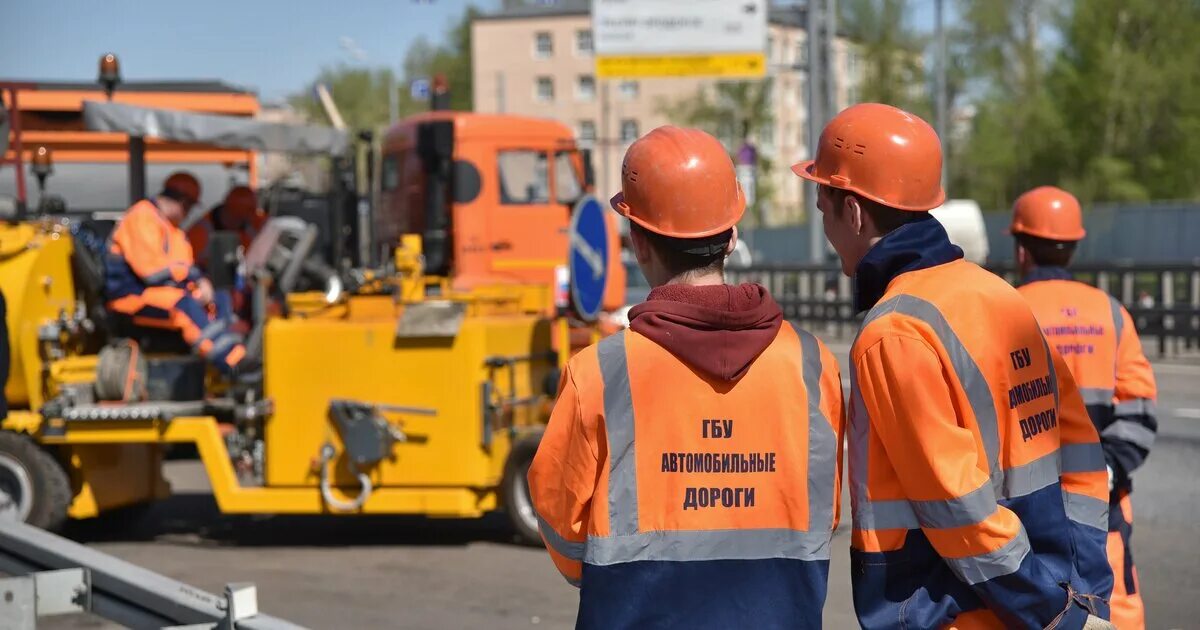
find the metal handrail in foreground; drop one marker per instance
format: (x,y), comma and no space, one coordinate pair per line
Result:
(53,575)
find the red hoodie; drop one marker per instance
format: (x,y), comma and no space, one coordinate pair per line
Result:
(719,330)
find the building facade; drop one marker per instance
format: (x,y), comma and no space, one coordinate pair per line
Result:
(536,59)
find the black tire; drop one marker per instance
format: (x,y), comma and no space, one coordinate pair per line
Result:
(26,468)
(514,491)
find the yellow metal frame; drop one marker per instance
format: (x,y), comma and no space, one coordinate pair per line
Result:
(234,498)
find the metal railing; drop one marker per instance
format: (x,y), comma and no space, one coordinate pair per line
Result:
(1164,300)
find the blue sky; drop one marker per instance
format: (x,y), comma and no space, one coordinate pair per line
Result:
(273,46)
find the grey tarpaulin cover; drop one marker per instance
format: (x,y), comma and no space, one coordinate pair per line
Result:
(222,131)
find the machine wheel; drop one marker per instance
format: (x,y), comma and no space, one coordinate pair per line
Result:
(34,488)
(515,491)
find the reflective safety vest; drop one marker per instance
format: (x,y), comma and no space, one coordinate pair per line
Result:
(1097,340)
(971,456)
(677,501)
(147,250)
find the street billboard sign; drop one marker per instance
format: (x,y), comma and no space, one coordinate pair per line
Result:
(675,38)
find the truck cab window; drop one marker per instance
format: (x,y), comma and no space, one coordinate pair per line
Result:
(524,177)
(566,180)
(390,172)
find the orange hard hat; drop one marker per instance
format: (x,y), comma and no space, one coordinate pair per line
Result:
(183,184)
(1050,213)
(680,183)
(241,204)
(882,153)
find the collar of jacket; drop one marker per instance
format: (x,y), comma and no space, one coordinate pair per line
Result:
(917,245)
(1047,273)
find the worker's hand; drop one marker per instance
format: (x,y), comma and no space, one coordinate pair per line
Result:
(203,292)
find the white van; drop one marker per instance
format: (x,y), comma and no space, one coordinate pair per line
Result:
(963,220)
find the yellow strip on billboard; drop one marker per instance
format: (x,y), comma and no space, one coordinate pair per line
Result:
(745,65)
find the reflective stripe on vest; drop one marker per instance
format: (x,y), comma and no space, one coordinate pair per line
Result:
(627,544)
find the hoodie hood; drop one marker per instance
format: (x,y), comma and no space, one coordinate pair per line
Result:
(912,246)
(718,330)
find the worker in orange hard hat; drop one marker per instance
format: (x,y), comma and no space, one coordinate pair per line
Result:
(151,275)
(1096,338)
(961,415)
(689,475)
(239,213)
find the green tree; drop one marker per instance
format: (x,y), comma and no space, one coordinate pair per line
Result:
(361,93)
(1015,119)
(1127,81)
(734,112)
(889,52)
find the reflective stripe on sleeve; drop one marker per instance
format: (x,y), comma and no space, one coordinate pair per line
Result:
(1135,407)
(993,564)
(565,548)
(1078,458)
(1096,395)
(1129,431)
(1086,510)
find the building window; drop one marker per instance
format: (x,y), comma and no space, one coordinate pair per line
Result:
(852,63)
(771,59)
(587,132)
(524,177)
(630,90)
(543,46)
(629,130)
(583,41)
(545,89)
(585,87)
(802,53)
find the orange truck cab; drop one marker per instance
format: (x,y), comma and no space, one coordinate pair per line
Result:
(491,196)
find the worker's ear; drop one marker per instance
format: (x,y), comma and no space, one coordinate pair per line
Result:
(732,244)
(855,215)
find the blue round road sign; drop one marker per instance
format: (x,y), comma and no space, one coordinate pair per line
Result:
(588,258)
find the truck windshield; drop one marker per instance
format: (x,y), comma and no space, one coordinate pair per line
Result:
(524,177)
(566,180)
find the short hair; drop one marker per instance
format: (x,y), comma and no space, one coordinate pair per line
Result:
(886,218)
(688,257)
(1047,252)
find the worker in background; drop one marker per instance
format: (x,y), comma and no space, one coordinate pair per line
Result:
(150,274)
(1097,339)
(239,213)
(959,409)
(689,474)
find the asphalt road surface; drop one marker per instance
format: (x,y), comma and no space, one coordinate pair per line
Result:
(329,572)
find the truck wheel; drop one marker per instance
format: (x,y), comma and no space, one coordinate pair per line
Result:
(515,491)
(34,488)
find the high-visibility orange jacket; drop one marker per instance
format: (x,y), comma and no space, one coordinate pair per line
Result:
(147,250)
(1097,340)
(694,494)
(962,419)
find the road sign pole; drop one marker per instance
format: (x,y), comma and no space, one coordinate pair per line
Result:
(816,67)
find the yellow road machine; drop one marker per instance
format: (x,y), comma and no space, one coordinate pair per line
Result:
(393,381)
